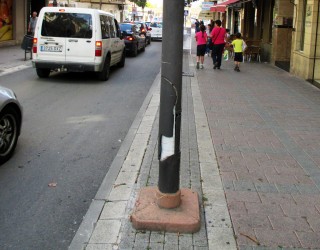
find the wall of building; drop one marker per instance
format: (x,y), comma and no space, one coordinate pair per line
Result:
(20,21)
(306,62)
(282,31)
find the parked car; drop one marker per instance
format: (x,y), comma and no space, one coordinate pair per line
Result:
(133,39)
(156,30)
(77,39)
(10,123)
(145,30)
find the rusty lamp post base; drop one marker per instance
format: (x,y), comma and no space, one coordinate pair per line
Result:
(156,211)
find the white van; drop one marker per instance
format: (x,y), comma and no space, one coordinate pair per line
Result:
(77,39)
(156,30)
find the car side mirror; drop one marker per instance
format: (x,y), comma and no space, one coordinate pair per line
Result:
(149,29)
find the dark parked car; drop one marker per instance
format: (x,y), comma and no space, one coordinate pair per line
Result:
(145,30)
(10,123)
(133,40)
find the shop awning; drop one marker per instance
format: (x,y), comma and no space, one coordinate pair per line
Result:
(221,7)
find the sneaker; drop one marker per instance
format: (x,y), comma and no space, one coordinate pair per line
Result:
(201,66)
(197,65)
(238,70)
(235,68)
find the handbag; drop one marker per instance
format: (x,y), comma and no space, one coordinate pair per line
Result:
(244,45)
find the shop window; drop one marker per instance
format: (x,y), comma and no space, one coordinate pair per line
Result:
(6,24)
(303,24)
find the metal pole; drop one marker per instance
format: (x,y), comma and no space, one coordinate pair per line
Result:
(170,97)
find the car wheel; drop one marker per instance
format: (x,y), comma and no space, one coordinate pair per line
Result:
(104,74)
(135,51)
(123,59)
(43,73)
(9,124)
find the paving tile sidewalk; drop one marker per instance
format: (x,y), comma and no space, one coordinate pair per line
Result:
(265,127)
(12,59)
(107,224)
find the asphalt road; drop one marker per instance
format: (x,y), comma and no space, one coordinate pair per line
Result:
(72,129)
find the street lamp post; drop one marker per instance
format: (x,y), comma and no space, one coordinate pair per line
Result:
(167,207)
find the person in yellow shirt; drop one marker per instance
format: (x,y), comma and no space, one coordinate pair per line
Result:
(238,51)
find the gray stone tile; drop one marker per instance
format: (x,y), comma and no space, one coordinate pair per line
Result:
(155,246)
(266,188)
(244,186)
(170,247)
(172,238)
(157,237)
(308,189)
(106,231)
(287,189)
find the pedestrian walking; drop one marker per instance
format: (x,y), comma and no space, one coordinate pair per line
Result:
(218,40)
(197,25)
(201,38)
(238,45)
(209,44)
(32,23)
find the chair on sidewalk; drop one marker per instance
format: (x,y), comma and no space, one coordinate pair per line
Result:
(253,50)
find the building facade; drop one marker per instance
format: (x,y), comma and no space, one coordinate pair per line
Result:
(288,32)
(305,53)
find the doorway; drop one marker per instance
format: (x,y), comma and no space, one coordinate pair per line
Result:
(236,23)
(35,5)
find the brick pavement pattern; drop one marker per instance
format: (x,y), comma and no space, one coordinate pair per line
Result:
(265,127)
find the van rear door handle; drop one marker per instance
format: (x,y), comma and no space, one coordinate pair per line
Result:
(73,40)
(88,41)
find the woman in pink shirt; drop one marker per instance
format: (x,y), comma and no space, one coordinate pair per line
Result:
(201,38)
(217,36)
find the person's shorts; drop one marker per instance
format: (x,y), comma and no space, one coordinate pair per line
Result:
(238,57)
(201,49)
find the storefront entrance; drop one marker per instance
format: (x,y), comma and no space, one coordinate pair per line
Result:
(35,5)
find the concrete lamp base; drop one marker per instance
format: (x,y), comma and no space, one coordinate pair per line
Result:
(148,215)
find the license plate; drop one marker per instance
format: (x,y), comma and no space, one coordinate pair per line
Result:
(47,48)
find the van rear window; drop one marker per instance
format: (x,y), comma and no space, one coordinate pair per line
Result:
(59,24)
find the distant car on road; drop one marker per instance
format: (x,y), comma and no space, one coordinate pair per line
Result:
(145,30)
(156,30)
(10,123)
(133,39)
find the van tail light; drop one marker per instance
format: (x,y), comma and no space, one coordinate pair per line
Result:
(35,45)
(98,50)
(143,30)
(129,38)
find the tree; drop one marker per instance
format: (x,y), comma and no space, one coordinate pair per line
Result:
(140,3)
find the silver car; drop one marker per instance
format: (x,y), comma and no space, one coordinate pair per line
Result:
(10,123)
